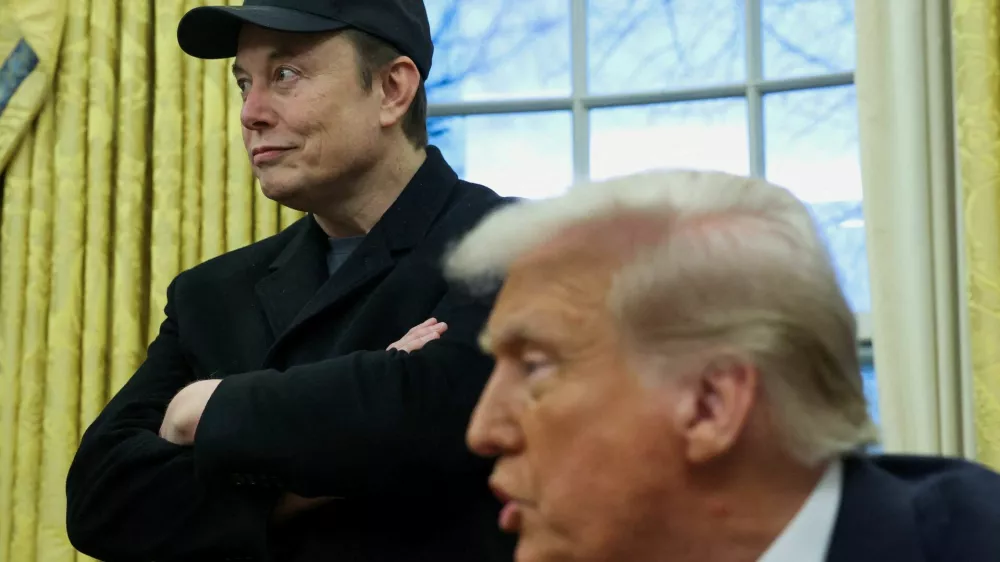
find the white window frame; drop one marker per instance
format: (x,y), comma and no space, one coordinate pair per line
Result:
(580,102)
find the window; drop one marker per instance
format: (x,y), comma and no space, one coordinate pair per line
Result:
(528,95)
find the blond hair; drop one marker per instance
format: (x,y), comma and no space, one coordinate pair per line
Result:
(740,266)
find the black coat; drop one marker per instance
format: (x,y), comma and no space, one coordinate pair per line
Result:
(310,403)
(916,509)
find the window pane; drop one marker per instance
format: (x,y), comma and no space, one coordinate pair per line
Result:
(807,37)
(498,49)
(642,45)
(812,149)
(871,390)
(703,134)
(521,155)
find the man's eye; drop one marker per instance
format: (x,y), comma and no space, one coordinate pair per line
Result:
(244,85)
(284,74)
(533,367)
(534,364)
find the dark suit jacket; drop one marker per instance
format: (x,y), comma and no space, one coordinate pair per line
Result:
(917,509)
(309,403)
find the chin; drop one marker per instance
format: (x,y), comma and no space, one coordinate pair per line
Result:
(283,192)
(540,550)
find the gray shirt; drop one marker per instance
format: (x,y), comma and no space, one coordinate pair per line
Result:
(340,250)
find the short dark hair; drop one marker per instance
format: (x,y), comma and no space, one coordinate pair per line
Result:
(374,54)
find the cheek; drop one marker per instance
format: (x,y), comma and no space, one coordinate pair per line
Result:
(591,466)
(336,131)
(598,472)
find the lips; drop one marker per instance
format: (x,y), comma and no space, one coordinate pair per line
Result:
(509,519)
(264,154)
(500,493)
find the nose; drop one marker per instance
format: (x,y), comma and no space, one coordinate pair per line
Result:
(257,112)
(494,429)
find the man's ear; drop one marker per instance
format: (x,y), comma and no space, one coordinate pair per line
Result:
(399,82)
(713,408)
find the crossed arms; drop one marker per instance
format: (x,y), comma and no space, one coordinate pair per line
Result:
(371,424)
(180,422)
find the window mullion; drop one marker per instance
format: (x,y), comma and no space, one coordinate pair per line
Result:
(755,100)
(581,117)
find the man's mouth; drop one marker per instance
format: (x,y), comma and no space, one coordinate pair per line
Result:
(265,154)
(510,517)
(511,513)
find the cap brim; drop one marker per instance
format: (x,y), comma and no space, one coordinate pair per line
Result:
(213,32)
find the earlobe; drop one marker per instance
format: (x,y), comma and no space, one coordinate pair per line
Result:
(717,408)
(399,83)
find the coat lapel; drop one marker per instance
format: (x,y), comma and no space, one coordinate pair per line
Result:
(300,287)
(368,263)
(296,274)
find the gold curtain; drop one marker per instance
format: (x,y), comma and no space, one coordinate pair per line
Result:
(976,40)
(124,166)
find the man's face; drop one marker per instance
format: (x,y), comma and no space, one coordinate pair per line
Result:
(307,122)
(586,452)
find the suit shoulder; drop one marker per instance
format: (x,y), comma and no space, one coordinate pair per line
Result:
(957,503)
(257,254)
(953,478)
(470,202)
(967,489)
(959,513)
(477,193)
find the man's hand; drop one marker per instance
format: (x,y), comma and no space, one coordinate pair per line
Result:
(419,335)
(180,422)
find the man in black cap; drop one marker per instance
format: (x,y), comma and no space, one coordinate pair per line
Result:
(274,418)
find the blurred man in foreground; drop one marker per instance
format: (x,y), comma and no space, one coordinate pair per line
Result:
(676,379)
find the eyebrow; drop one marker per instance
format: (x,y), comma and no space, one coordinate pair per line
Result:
(514,334)
(278,53)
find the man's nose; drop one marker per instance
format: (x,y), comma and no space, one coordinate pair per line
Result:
(493,429)
(257,112)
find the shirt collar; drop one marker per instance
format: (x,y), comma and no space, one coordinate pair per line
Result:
(807,537)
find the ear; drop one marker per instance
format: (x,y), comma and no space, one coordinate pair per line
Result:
(399,82)
(713,408)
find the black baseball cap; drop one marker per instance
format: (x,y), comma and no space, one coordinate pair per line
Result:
(212,32)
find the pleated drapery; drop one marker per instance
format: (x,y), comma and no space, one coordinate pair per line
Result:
(976,40)
(125,167)
(905,121)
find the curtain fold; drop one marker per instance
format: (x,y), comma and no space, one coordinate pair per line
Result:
(14,245)
(130,263)
(25,375)
(167,158)
(216,84)
(102,87)
(192,114)
(124,165)
(976,33)
(63,349)
(30,34)
(904,102)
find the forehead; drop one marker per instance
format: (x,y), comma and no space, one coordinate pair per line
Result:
(554,297)
(557,293)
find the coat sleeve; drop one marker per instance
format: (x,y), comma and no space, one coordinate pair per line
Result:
(367,424)
(134,496)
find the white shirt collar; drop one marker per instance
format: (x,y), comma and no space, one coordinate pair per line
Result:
(807,536)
